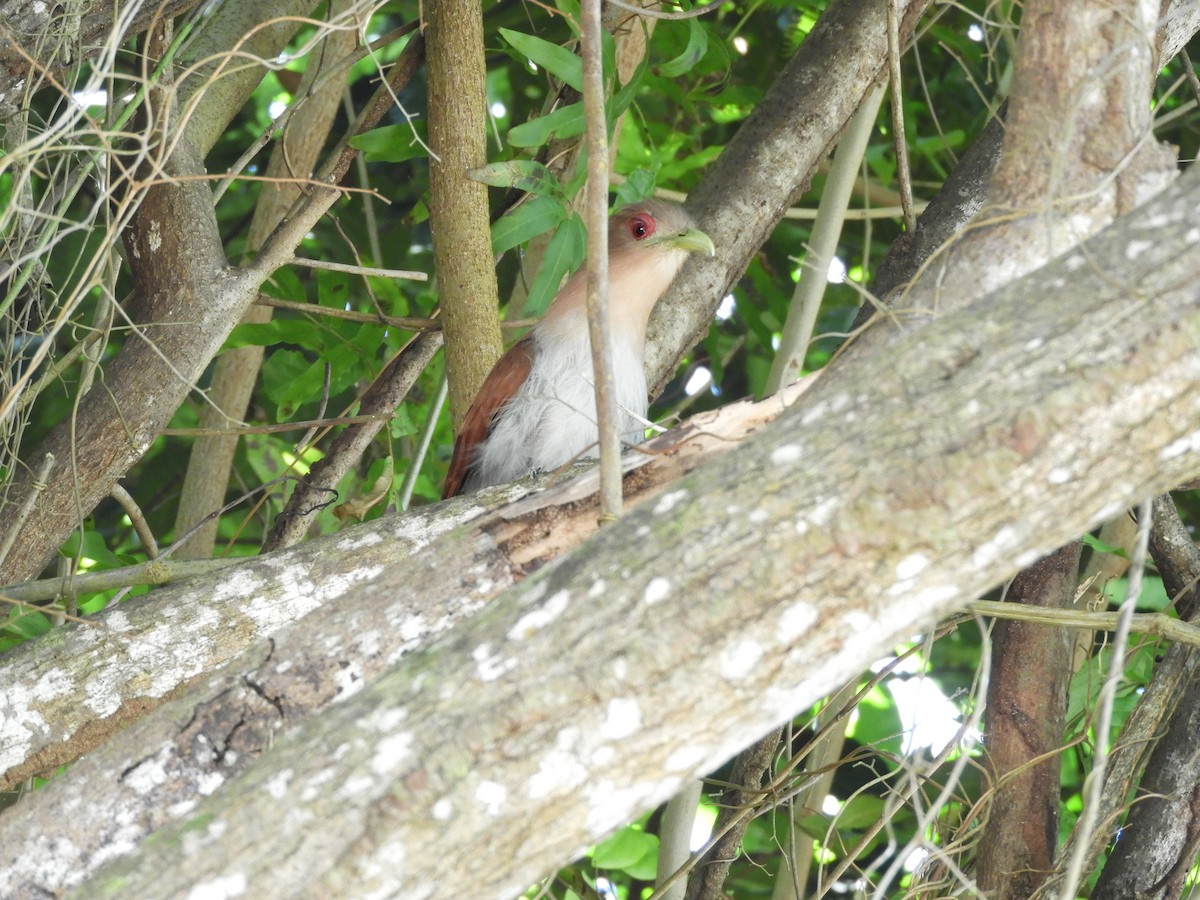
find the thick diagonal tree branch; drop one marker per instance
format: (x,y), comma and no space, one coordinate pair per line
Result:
(869,525)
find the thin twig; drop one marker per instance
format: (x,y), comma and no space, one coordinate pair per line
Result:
(903,171)
(140,525)
(406,323)
(599,314)
(359,270)
(418,458)
(659,14)
(39,485)
(1093,785)
(1158,624)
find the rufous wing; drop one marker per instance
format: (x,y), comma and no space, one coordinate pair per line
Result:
(502,382)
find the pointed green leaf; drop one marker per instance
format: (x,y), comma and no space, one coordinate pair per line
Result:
(697,46)
(564,122)
(392,143)
(522,174)
(564,254)
(558,61)
(536,216)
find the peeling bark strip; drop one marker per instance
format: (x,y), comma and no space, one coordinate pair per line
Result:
(550,707)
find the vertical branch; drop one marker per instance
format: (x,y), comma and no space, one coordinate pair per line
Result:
(458,214)
(806,301)
(597,262)
(1026,716)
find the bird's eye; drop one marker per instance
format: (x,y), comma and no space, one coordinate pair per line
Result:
(641,226)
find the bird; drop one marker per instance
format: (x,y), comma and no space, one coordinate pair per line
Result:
(536,410)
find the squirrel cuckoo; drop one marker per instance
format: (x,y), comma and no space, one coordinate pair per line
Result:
(537,408)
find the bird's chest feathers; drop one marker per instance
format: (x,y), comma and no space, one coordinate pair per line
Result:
(552,418)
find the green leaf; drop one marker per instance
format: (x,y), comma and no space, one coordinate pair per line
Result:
(392,143)
(624,849)
(521,174)
(558,61)
(697,46)
(29,624)
(267,334)
(564,254)
(564,122)
(534,217)
(1100,547)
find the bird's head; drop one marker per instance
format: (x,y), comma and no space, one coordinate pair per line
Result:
(656,226)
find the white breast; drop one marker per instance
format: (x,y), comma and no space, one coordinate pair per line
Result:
(552,419)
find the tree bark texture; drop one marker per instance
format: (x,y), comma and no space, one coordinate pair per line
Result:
(1026,718)
(458,213)
(294,156)
(744,194)
(864,526)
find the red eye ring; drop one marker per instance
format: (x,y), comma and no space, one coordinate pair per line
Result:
(642,226)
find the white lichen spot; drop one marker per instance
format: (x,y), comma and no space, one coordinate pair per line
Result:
(856,620)
(1074,263)
(669,501)
(560,770)
(685,759)
(208,783)
(154,236)
(1058,475)
(355,786)
(222,887)
(912,565)
(622,718)
(813,413)
(382,720)
(490,665)
(391,753)
(442,810)
(739,660)
(610,804)
(277,785)
(597,589)
(1192,235)
(990,551)
(1030,345)
(796,620)
(657,590)
(802,526)
(537,619)
(1187,444)
(491,796)
(786,454)
(603,756)
(822,512)
(148,774)
(1134,249)
(758,516)
(1027,559)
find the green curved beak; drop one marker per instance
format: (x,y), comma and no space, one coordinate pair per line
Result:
(693,241)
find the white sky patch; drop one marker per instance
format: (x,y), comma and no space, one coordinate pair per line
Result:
(926,714)
(498,110)
(837,271)
(975,32)
(700,380)
(741,45)
(276,108)
(726,308)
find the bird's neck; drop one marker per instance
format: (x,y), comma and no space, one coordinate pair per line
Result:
(634,287)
